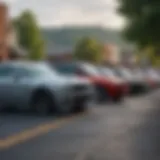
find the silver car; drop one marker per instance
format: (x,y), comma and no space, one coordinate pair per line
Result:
(29,85)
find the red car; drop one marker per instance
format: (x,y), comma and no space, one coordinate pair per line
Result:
(117,88)
(107,88)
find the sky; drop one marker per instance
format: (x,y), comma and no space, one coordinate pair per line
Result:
(70,12)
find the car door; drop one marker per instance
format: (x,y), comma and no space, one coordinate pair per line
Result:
(6,85)
(22,88)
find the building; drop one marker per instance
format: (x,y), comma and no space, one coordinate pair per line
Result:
(59,53)
(128,57)
(9,47)
(111,54)
(4,21)
(12,39)
(14,49)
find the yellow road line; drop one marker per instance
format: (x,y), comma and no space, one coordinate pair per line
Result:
(31,133)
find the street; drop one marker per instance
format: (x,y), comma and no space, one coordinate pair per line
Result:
(129,131)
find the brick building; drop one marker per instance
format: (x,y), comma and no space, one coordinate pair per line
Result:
(111,54)
(9,47)
(3,31)
(59,53)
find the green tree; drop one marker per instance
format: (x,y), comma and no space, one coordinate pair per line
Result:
(143,25)
(88,49)
(142,21)
(29,35)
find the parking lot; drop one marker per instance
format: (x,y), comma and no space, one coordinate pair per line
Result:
(123,131)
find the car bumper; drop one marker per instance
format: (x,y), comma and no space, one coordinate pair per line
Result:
(138,87)
(83,95)
(120,90)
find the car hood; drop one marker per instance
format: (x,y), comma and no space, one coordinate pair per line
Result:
(103,79)
(136,80)
(154,78)
(76,79)
(116,80)
(54,79)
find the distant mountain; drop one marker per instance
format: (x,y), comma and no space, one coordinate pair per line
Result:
(68,36)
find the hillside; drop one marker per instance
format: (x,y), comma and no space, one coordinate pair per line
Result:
(68,36)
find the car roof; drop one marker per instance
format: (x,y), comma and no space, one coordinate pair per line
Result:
(70,62)
(21,63)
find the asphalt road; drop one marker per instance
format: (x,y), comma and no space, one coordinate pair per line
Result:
(129,131)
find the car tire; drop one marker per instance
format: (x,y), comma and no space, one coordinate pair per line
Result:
(81,107)
(42,103)
(66,108)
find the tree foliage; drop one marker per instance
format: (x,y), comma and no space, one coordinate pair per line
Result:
(88,49)
(142,21)
(143,25)
(68,36)
(29,35)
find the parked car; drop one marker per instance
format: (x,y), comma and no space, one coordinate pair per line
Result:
(84,91)
(121,84)
(140,75)
(137,83)
(153,77)
(29,85)
(106,89)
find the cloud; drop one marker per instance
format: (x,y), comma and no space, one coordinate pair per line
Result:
(70,12)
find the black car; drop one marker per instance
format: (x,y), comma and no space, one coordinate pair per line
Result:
(136,81)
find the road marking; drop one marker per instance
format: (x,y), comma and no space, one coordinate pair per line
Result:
(34,132)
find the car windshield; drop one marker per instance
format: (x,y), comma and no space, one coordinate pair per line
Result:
(138,73)
(124,73)
(90,69)
(65,68)
(153,73)
(107,72)
(73,68)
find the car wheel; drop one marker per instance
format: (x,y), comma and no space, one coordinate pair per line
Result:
(42,104)
(80,107)
(66,106)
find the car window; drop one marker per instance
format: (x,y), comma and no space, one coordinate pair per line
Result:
(35,70)
(90,69)
(6,71)
(107,72)
(125,73)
